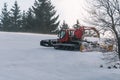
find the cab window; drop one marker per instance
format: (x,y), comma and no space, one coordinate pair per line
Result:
(61,34)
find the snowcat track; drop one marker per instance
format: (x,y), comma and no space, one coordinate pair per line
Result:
(48,43)
(68,47)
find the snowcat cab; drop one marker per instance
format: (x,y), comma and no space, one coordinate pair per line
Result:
(67,35)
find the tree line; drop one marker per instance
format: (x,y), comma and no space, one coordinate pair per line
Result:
(40,18)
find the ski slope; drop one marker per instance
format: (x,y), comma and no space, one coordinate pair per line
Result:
(22,58)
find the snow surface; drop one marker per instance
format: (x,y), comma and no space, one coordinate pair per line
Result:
(22,58)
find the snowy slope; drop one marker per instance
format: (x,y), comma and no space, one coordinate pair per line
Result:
(21,58)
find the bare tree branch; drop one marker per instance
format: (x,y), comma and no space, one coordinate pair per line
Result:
(106,13)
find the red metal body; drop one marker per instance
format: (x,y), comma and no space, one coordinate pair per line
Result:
(67,35)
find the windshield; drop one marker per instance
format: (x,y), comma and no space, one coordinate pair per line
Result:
(61,34)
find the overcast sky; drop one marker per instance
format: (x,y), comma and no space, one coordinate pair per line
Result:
(69,10)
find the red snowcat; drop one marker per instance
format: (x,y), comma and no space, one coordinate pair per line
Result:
(72,39)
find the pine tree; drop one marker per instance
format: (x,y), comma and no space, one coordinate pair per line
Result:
(64,26)
(77,25)
(23,21)
(30,21)
(15,17)
(0,26)
(45,18)
(5,18)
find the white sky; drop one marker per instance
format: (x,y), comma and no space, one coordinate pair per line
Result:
(69,10)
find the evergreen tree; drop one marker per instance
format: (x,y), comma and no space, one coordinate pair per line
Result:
(15,17)
(30,21)
(23,21)
(77,25)
(45,18)
(64,26)
(0,26)
(5,18)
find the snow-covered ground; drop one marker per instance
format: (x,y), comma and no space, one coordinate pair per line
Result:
(22,58)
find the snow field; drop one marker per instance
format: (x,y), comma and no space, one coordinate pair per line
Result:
(22,58)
